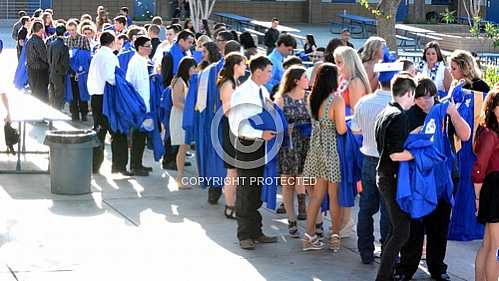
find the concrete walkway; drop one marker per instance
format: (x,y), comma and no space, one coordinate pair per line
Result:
(146,229)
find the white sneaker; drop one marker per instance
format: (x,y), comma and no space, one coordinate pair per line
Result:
(348,230)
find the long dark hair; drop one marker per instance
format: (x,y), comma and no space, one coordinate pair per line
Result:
(488,118)
(213,52)
(206,26)
(436,46)
(183,70)
(311,40)
(325,84)
(227,72)
(247,40)
(331,46)
(290,79)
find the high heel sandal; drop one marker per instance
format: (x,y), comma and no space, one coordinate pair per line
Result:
(230,212)
(335,243)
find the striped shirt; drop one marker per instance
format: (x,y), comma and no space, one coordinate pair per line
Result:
(77,42)
(366,111)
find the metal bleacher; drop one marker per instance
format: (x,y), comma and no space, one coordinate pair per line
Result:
(9,8)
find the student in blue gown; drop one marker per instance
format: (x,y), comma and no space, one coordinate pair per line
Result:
(463,225)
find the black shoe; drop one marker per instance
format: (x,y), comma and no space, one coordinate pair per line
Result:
(367,259)
(281,209)
(149,169)
(441,277)
(214,195)
(84,117)
(124,172)
(187,164)
(140,172)
(169,166)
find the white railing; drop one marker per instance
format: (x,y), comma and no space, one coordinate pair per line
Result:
(9,8)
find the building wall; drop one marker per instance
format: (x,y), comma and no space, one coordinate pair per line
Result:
(288,12)
(298,12)
(75,8)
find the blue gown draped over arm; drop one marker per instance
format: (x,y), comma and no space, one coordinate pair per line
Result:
(80,64)
(271,120)
(156,87)
(21,75)
(123,106)
(417,187)
(189,116)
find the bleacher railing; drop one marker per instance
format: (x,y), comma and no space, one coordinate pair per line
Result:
(9,8)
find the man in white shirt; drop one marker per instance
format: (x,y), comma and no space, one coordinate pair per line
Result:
(371,200)
(247,101)
(138,75)
(165,46)
(101,72)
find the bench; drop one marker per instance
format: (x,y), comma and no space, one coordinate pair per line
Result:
(403,41)
(237,21)
(26,108)
(420,36)
(364,23)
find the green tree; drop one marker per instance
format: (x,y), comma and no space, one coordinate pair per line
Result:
(385,13)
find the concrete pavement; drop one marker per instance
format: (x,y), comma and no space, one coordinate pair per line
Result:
(146,229)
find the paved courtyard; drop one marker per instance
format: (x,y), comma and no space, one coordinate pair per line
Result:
(146,229)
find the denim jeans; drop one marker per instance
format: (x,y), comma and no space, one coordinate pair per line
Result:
(370,203)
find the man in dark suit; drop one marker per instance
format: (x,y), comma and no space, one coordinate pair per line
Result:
(58,59)
(36,58)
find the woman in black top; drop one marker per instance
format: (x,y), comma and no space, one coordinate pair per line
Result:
(309,45)
(464,67)
(22,35)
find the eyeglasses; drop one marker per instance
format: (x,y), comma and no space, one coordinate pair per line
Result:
(147,46)
(220,40)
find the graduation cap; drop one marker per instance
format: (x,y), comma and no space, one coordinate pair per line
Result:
(389,67)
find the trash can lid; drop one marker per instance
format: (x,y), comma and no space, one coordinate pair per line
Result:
(70,137)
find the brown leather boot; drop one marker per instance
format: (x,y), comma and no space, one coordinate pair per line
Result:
(302,207)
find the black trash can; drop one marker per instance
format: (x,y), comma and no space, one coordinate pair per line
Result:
(71,160)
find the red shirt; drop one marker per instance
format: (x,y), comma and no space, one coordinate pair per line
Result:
(487,160)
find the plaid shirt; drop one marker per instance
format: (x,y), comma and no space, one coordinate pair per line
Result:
(77,42)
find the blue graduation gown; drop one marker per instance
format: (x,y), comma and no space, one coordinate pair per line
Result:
(417,187)
(198,56)
(211,163)
(80,64)
(165,109)
(125,55)
(190,122)
(122,105)
(464,225)
(348,146)
(189,116)
(21,75)
(272,120)
(177,55)
(156,87)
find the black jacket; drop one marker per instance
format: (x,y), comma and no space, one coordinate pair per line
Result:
(271,37)
(58,57)
(36,53)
